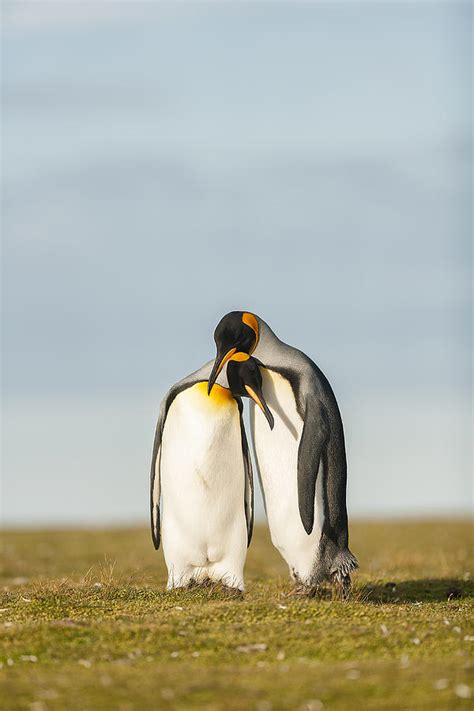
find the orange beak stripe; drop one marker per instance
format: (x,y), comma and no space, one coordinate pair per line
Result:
(227,357)
(254,397)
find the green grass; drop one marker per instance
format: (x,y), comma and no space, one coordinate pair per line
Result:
(86,624)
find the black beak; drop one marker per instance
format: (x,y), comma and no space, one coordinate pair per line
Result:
(213,375)
(267,413)
(257,396)
(220,361)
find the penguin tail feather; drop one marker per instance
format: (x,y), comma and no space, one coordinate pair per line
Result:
(343,565)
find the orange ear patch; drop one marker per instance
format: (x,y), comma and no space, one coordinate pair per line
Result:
(250,320)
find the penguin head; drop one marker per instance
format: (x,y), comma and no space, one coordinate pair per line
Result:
(236,332)
(245,380)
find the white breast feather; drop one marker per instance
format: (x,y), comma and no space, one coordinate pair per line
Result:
(203,481)
(277,460)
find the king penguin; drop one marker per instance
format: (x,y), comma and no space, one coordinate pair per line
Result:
(202,471)
(302,463)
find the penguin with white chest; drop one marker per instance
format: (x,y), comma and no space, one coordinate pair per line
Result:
(201,470)
(302,462)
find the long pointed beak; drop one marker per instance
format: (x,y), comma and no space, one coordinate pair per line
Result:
(259,399)
(219,363)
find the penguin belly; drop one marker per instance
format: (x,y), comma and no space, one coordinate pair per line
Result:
(277,462)
(202,472)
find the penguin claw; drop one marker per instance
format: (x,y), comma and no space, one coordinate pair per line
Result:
(301,590)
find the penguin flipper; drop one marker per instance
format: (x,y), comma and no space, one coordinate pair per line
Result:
(249,495)
(198,376)
(310,450)
(155,488)
(155,482)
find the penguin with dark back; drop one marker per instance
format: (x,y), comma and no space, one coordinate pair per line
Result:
(302,462)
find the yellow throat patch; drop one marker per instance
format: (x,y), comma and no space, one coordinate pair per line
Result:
(219,395)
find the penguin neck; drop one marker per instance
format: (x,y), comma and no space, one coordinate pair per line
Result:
(272,351)
(267,339)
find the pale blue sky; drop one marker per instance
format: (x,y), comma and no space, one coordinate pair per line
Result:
(164,163)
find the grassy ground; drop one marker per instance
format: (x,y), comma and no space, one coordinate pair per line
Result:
(86,624)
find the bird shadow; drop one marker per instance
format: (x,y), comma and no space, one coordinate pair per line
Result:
(278,409)
(413,591)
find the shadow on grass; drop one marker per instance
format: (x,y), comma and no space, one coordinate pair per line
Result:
(411,591)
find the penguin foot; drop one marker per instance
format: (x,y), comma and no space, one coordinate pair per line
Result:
(301,590)
(218,586)
(215,586)
(233,593)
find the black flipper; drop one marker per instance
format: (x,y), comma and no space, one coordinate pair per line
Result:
(249,495)
(313,439)
(200,375)
(155,473)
